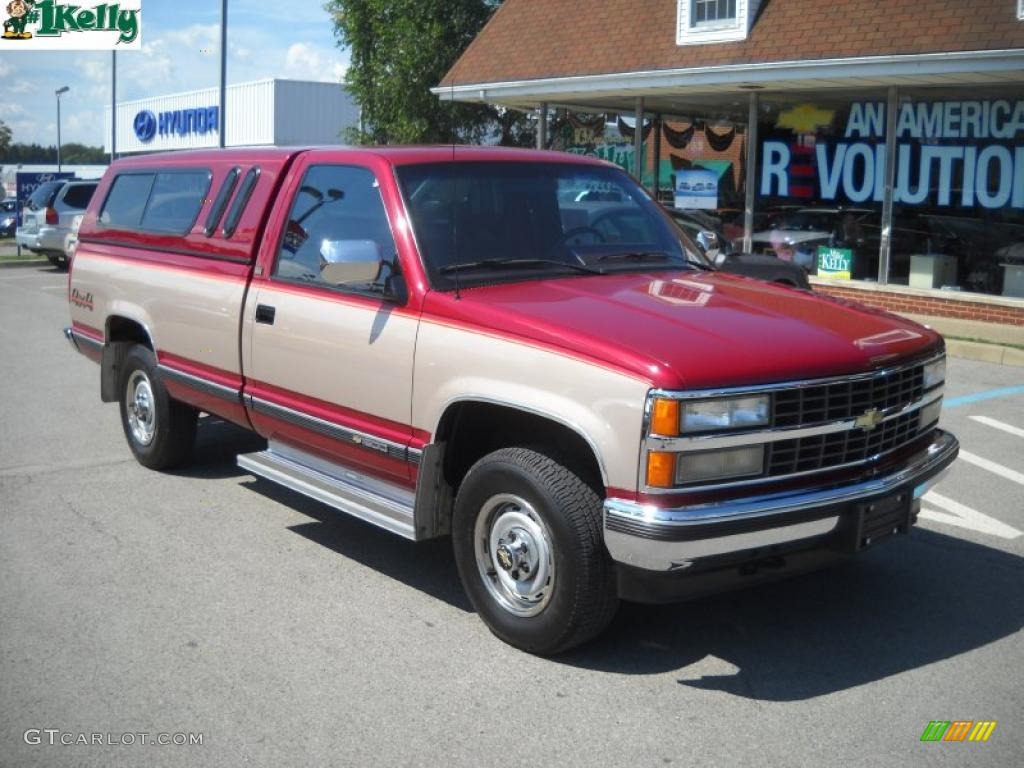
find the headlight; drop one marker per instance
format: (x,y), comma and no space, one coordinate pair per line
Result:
(717,465)
(731,413)
(935,373)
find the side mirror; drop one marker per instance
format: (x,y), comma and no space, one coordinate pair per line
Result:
(350,261)
(708,241)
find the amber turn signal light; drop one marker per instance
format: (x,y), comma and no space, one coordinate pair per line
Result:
(665,417)
(661,469)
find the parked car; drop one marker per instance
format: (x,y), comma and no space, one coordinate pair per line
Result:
(46,220)
(705,231)
(8,217)
(794,234)
(71,241)
(586,410)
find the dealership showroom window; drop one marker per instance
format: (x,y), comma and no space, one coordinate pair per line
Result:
(957,220)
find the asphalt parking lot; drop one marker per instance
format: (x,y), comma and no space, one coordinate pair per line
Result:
(207,602)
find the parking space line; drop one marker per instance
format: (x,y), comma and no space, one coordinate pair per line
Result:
(963,516)
(991,466)
(977,397)
(995,424)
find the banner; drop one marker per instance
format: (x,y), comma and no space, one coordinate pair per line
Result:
(955,154)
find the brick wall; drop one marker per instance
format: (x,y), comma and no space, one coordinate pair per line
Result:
(927,305)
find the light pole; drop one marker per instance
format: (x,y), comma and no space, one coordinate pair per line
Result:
(59,91)
(221,127)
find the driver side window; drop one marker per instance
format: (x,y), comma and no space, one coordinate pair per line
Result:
(337,210)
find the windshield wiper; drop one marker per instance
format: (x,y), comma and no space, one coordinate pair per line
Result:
(645,256)
(484,264)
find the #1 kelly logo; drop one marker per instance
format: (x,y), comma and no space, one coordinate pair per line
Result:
(52,26)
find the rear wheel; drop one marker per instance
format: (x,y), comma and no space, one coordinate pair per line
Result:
(58,260)
(527,537)
(160,430)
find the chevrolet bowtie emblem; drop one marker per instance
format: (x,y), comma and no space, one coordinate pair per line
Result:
(869,419)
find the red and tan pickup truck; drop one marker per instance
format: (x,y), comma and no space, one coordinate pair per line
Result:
(458,341)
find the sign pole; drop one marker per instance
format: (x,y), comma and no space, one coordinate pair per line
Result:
(223,71)
(638,142)
(750,176)
(113,105)
(885,247)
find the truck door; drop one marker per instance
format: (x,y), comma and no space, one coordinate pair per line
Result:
(328,366)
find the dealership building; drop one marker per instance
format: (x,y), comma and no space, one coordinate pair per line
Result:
(261,113)
(880,144)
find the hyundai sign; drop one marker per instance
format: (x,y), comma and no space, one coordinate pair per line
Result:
(200,120)
(144,125)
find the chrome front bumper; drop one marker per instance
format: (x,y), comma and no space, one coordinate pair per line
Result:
(665,540)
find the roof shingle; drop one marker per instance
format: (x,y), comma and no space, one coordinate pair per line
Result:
(535,39)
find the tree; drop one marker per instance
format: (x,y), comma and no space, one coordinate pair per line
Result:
(72,153)
(5,138)
(399,50)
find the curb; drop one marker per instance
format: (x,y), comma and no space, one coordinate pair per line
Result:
(986,353)
(24,263)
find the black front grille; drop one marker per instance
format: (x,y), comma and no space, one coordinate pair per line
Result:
(804,454)
(802,406)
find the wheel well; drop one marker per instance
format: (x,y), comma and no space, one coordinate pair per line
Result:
(122,329)
(785,281)
(470,430)
(122,334)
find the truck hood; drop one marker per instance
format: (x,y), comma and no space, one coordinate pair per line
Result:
(691,330)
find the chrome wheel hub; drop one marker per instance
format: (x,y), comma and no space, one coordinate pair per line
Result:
(514,555)
(141,409)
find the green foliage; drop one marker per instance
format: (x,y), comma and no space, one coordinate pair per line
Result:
(70,153)
(5,137)
(399,50)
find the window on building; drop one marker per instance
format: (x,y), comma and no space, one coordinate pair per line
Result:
(819,190)
(706,12)
(958,213)
(700,22)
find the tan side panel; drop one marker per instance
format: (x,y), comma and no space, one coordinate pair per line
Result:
(188,313)
(604,406)
(336,350)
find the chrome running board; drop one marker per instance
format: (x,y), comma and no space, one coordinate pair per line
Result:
(376,501)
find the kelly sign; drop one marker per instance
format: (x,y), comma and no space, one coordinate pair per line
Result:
(835,262)
(47,25)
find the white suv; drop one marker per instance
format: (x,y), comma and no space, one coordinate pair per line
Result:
(48,215)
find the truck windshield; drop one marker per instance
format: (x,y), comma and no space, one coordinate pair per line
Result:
(505,221)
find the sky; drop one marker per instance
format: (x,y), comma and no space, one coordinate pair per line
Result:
(293,40)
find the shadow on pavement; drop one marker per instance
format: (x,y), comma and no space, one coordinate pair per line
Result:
(218,444)
(428,566)
(902,606)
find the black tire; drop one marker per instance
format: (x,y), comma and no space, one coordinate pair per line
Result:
(54,259)
(172,423)
(583,599)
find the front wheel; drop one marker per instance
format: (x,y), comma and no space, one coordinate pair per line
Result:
(527,537)
(160,430)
